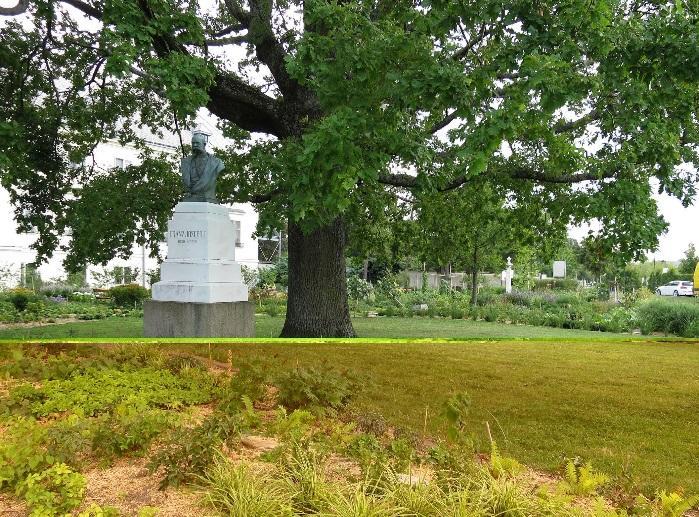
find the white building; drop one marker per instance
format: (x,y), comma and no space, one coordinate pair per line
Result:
(16,253)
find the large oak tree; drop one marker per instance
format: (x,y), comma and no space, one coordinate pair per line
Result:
(340,108)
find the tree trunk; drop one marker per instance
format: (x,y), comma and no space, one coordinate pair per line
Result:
(474,287)
(317,304)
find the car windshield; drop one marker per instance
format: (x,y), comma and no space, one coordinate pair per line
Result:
(686,284)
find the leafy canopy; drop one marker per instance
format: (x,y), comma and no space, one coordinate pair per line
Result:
(581,108)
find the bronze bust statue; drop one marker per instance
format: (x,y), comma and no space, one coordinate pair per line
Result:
(199,172)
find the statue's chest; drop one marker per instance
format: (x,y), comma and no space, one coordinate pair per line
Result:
(198,168)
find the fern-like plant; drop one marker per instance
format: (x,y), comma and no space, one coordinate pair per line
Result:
(582,479)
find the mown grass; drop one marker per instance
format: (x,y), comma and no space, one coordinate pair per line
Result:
(266,326)
(629,406)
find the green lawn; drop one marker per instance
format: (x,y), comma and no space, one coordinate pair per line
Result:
(629,407)
(365,327)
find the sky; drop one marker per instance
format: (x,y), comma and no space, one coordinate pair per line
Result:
(684,228)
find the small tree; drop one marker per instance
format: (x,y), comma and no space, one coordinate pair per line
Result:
(689,262)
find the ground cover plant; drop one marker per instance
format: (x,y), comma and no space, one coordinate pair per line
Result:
(332,448)
(22,305)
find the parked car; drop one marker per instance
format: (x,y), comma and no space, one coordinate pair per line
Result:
(676,288)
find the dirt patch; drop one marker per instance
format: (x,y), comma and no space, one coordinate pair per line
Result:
(127,485)
(10,506)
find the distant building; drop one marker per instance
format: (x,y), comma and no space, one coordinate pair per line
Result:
(17,258)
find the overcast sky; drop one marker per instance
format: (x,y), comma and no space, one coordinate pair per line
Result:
(684,228)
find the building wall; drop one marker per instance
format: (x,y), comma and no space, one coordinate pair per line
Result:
(15,248)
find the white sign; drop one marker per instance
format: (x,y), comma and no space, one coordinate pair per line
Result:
(559,269)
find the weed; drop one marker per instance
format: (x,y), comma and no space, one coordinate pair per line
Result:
(95,510)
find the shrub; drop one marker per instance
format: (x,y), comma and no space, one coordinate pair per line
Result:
(313,387)
(56,490)
(131,295)
(358,288)
(670,317)
(21,297)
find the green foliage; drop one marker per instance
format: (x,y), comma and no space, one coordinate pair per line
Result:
(665,504)
(98,390)
(294,426)
(131,295)
(187,452)
(56,490)
(248,383)
(689,261)
(95,510)
(580,479)
(681,319)
(129,428)
(22,452)
(502,466)
(21,298)
(358,288)
(235,490)
(563,284)
(315,387)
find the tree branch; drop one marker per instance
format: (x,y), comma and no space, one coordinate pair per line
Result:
(237,12)
(398,180)
(225,32)
(268,49)
(246,106)
(443,123)
(227,41)
(528,174)
(85,8)
(583,121)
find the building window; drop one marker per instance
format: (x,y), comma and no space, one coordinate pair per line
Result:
(236,230)
(120,163)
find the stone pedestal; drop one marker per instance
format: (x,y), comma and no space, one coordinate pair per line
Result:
(177,319)
(201,291)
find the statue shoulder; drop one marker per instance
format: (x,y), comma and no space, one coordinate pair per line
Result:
(218,163)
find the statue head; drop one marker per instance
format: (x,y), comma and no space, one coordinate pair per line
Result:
(198,143)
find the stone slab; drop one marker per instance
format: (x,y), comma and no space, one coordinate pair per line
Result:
(200,271)
(176,319)
(205,292)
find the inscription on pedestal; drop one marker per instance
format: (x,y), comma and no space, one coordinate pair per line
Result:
(187,236)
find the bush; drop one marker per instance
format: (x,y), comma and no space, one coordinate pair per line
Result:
(670,317)
(131,295)
(21,297)
(358,288)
